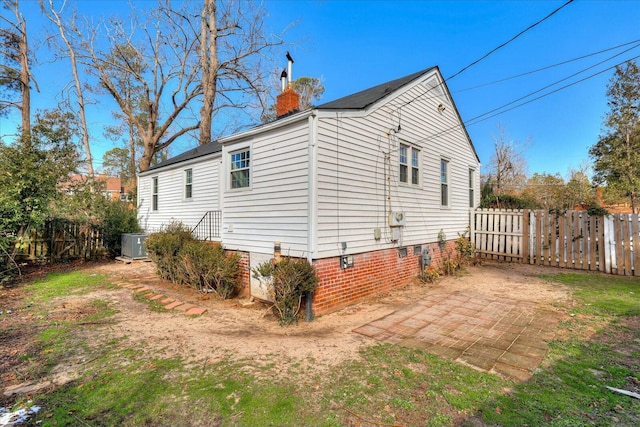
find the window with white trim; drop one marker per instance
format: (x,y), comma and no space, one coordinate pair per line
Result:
(154,193)
(240,168)
(188,183)
(444,182)
(409,160)
(472,199)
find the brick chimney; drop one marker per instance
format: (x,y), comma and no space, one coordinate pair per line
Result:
(288,101)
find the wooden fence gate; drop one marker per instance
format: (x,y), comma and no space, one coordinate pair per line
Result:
(62,239)
(572,239)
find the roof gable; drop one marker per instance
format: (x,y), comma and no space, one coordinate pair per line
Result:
(363,99)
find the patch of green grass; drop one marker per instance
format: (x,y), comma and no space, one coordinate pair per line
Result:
(602,294)
(62,284)
(396,384)
(571,391)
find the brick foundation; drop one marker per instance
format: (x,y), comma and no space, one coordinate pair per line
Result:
(372,273)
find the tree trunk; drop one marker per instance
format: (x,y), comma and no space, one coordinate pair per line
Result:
(55,18)
(209,63)
(25,76)
(132,157)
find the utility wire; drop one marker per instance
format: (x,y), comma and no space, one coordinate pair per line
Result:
(553,84)
(547,67)
(487,54)
(509,41)
(549,93)
(481,118)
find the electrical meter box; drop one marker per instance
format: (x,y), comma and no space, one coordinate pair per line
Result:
(133,246)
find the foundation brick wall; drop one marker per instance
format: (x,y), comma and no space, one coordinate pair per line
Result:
(372,273)
(246,272)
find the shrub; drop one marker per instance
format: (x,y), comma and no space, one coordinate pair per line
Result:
(465,249)
(163,248)
(288,280)
(429,275)
(209,269)
(118,219)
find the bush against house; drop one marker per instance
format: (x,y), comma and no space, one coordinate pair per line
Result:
(202,265)
(289,281)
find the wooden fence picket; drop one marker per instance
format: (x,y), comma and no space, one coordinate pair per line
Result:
(572,239)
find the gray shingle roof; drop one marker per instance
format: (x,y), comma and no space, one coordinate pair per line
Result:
(363,99)
(202,150)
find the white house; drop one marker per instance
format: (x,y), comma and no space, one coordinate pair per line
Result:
(360,186)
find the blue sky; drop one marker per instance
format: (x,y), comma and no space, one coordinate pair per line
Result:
(353,45)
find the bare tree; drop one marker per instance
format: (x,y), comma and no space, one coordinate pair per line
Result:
(54,16)
(159,56)
(233,45)
(508,166)
(15,71)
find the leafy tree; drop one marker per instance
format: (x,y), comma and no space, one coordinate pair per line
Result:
(616,155)
(579,190)
(115,162)
(546,191)
(31,171)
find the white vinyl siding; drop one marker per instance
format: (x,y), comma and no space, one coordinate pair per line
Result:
(357,158)
(276,207)
(171,197)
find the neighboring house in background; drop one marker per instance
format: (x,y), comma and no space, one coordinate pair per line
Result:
(360,186)
(114,189)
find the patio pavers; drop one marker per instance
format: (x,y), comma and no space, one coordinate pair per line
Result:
(492,334)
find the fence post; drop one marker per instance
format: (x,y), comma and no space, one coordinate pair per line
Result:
(525,236)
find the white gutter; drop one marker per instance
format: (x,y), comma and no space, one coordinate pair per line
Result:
(312,211)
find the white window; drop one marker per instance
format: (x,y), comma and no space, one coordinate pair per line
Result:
(409,164)
(472,200)
(240,168)
(188,183)
(154,194)
(444,182)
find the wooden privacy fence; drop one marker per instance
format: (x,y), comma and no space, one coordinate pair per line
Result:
(62,239)
(572,239)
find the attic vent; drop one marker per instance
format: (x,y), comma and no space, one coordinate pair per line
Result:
(435,89)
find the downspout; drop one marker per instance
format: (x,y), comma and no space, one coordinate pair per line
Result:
(312,218)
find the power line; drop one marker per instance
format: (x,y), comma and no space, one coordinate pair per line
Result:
(509,41)
(554,83)
(547,67)
(478,119)
(485,56)
(550,93)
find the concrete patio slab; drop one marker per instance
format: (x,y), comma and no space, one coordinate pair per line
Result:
(492,334)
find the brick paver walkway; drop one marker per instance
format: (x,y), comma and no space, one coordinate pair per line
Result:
(489,333)
(168,302)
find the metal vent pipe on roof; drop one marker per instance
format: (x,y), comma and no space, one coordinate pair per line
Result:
(289,68)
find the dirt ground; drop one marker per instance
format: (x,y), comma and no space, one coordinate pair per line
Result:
(247,330)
